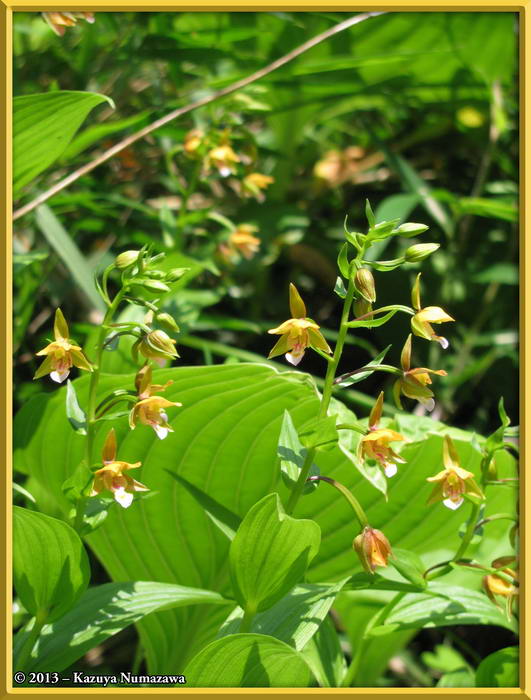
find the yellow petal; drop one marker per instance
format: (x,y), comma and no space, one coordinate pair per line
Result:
(282,346)
(60,326)
(434,314)
(45,368)
(109,448)
(317,341)
(80,360)
(296,304)
(415,294)
(405,356)
(376,412)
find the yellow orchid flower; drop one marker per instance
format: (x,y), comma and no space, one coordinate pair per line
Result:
(111,476)
(254,183)
(375,444)
(59,21)
(149,409)
(453,481)
(61,354)
(298,333)
(223,158)
(192,140)
(413,382)
(373,549)
(494,585)
(420,323)
(242,240)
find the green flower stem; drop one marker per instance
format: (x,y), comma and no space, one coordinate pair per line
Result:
(348,495)
(379,617)
(469,534)
(352,426)
(327,395)
(93,388)
(247,619)
(332,366)
(20,661)
(467,538)
(498,516)
(299,486)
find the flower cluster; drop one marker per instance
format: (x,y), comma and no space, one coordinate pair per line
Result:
(140,277)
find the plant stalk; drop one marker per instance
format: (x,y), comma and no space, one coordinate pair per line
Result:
(91,409)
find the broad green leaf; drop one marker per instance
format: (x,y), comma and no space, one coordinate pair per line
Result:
(295,618)
(50,565)
(452,605)
(500,669)
(409,565)
(75,414)
(43,126)
(247,661)
(324,656)
(222,517)
(106,610)
(67,250)
(270,554)
(225,443)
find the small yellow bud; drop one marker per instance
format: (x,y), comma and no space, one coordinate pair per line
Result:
(153,285)
(175,274)
(362,307)
(167,321)
(364,283)
(126,259)
(420,251)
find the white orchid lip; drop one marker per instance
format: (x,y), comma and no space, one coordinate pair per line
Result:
(390,470)
(59,377)
(123,497)
(453,505)
(160,431)
(294,357)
